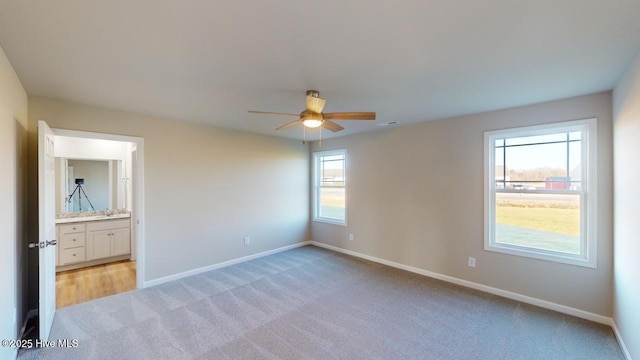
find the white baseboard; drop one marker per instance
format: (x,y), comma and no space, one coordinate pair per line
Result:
(616,331)
(507,294)
(201,270)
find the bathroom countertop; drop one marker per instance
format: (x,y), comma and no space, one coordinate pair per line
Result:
(92,216)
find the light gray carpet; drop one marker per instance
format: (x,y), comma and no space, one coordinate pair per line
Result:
(310,303)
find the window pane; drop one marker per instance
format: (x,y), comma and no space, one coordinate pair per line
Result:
(499,168)
(536,163)
(333,157)
(538,221)
(576,135)
(575,165)
(536,139)
(332,203)
(332,170)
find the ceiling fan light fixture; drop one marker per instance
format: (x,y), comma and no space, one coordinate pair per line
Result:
(311,120)
(312,123)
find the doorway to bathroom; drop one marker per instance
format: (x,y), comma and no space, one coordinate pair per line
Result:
(99,212)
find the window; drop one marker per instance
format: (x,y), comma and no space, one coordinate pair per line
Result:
(540,192)
(329,188)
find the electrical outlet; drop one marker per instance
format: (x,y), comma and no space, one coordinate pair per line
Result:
(247,241)
(472,262)
(351,236)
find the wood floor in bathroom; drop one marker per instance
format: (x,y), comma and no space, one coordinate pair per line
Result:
(81,285)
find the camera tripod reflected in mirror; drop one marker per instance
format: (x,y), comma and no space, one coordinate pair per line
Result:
(80,191)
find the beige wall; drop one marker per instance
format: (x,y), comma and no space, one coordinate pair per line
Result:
(206,188)
(415,196)
(626,132)
(13,124)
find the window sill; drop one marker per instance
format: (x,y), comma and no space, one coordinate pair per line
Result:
(330,221)
(542,255)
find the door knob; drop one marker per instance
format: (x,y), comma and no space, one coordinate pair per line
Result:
(43,244)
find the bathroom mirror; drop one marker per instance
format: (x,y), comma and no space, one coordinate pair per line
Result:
(88,184)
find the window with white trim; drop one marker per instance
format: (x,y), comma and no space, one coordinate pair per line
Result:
(329,186)
(540,191)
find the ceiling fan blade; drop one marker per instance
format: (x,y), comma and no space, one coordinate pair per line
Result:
(350,116)
(272,113)
(315,104)
(330,125)
(286,126)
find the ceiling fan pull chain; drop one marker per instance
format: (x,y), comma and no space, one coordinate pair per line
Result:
(304,135)
(320,144)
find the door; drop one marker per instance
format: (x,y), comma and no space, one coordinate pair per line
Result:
(120,241)
(99,244)
(47,229)
(132,173)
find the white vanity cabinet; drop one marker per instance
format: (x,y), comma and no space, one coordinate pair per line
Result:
(71,244)
(93,242)
(108,238)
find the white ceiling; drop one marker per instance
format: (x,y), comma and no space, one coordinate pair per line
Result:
(409,61)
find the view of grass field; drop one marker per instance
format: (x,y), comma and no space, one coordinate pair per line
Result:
(332,203)
(544,224)
(558,217)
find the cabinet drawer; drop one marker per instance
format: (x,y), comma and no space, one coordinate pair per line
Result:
(68,256)
(108,224)
(68,241)
(71,228)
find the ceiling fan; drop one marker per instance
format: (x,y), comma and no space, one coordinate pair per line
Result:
(313,117)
